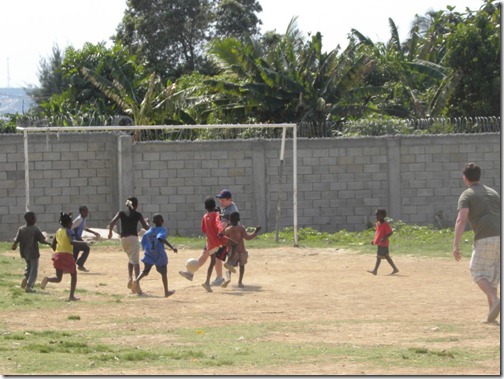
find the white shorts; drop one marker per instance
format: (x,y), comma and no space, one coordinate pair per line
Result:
(213,251)
(131,247)
(485,260)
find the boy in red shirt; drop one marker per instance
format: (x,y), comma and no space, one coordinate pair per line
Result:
(381,239)
(211,226)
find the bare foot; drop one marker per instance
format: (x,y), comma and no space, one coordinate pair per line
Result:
(207,287)
(73,298)
(135,287)
(169,293)
(372,272)
(394,272)
(43,284)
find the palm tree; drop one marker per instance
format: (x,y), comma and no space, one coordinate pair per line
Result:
(128,96)
(291,80)
(415,83)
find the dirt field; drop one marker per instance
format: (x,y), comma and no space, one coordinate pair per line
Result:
(430,304)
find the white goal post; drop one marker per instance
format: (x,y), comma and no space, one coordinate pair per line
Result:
(284,127)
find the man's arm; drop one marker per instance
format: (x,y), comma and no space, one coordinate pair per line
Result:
(460,224)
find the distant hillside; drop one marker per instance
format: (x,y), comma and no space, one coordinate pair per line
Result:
(14,100)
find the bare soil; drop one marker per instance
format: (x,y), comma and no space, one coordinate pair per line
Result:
(430,303)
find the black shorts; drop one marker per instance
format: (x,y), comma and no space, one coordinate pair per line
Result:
(161,269)
(383,252)
(221,253)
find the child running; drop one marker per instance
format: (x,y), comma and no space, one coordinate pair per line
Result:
(28,237)
(63,259)
(212,227)
(153,242)
(381,239)
(236,234)
(129,236)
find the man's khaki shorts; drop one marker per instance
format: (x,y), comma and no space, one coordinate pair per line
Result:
(485,260)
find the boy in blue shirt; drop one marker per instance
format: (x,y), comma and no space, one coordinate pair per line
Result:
(78,226)
(153,242)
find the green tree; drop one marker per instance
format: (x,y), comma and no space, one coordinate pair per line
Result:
(142,107)
(474,55)
(50,77)
(172,34)
(289,80)
(236,18)
(412,84)
(78,101)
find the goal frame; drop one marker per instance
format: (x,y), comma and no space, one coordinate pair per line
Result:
(58,129)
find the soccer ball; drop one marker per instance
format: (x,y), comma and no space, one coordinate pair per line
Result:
(192,265)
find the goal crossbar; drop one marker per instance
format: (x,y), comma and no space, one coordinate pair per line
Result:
(58,129)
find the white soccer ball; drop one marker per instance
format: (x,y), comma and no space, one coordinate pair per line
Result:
(192,265)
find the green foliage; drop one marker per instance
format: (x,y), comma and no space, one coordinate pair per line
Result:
(8,123)
(474,54)
(406,239)
(377,125)
(225,72)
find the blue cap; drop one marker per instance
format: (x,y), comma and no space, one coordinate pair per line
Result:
(225,194)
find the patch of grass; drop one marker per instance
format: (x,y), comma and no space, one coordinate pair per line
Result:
(235,346)
(407,239)
(74,317)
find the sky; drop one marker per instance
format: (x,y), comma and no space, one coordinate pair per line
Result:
(30,28)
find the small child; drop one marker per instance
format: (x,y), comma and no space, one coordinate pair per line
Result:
(28,238)
(381,239)
(63,260)
(153,242)
(211,226)
(79,226)
(236,234)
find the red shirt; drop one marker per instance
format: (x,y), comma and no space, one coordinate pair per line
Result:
(212,226)
(382,230)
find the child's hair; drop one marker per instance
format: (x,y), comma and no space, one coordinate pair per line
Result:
(234,219)
(65,219)
(132,202)
(381,212)
(209,204)
(158,219)
(81,208)
(29,217)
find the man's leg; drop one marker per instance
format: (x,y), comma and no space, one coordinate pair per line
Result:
(493,301)
(489,290)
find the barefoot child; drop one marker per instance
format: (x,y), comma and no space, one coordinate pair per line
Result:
(211,226)
(28,237)
(129,236)
(153,242)
(63,260)
(236,234)
(382,234)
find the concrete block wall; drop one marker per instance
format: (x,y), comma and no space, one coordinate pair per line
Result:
(65,170)
(340,181)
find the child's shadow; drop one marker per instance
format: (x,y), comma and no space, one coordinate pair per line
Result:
(237,291)
(146,295)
